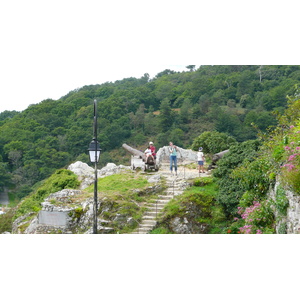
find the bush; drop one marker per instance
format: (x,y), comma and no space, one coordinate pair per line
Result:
(213,142)
(231,187)
(61,179)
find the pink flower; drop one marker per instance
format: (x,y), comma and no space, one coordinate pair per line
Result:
(290,167)
(291,157)
(287,148)
(292,126)
(258,231)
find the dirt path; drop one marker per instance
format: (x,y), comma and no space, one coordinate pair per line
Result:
(183,172)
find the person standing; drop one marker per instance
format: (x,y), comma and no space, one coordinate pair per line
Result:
(201,159)
(173,157)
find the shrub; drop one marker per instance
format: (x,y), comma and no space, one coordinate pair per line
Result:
(231,187)
(213,142)
(61,179)
(258,218)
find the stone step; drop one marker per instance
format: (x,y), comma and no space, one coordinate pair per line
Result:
(149,217)
(153,207)
(173,188)
(175,193)
(165,201)
(150,213)
(147,227)
(164,196)
(148,222)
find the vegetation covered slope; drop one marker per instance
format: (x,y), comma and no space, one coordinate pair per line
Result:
(172,106)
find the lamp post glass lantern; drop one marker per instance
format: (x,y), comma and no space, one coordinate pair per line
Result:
(94,151)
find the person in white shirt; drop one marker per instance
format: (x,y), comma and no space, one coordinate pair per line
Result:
(148,151)
(201,160)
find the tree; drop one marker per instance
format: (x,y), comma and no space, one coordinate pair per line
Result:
(165,117)
(213,142)
(191,67)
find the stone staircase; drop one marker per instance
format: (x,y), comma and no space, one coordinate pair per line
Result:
(150,217)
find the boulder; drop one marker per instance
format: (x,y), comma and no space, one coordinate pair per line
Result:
(84,172)
(185,155)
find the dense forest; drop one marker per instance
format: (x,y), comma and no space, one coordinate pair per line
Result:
(239,101)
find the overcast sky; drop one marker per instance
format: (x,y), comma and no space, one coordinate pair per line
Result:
(49,48)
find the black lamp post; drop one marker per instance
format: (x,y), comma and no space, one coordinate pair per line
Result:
(94,152)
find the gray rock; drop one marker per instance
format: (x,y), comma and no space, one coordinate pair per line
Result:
(85,173)
(185,155)
(154,178)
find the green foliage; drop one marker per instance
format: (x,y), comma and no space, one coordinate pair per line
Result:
(213,142)
(61,179)
(5,176)
(6,221)
(282,228)
(198,204)
(160,230)
(202,181)
(277,158)
(231,188)
(281,202)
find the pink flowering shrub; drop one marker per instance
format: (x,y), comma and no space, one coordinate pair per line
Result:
(290,170)
(258,218)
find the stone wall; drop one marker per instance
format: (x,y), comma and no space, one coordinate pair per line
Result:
(293,213)
(292,219)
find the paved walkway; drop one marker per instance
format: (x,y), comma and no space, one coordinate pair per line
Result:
(174,188)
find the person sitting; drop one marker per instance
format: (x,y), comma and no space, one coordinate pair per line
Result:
(148,152)
(153,149)
(149,156)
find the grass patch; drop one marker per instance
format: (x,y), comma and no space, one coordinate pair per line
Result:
(125,185)
(198,205)
(6,221)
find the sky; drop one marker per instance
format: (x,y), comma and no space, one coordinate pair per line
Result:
(49,48)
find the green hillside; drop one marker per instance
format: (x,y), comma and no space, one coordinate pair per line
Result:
(239,101)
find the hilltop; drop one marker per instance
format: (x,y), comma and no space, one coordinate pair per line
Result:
(177,106)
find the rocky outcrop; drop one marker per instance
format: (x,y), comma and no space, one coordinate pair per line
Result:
(288,222)
(70,211)
(185,155)
(86,174)
(293,213)
(184,226)
(111,169)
